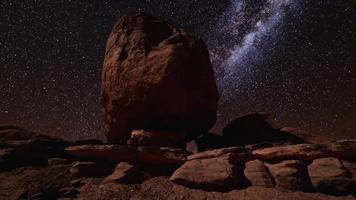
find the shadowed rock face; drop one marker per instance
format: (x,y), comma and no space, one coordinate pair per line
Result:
(156,77)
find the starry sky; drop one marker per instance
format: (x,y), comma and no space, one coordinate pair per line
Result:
(294,59)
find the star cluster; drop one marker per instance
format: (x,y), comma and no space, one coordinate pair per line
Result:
(294,59)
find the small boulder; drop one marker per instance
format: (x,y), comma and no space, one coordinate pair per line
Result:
(91,169)
(257,174)
(290,175)
(328,175)
(192,147)
(217,174)
(157,138)
(124,173)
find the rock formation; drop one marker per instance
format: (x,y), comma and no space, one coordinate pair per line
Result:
(156,77)
(158,92)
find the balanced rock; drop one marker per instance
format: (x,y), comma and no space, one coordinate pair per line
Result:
(329,175)
(290,175)
(156,77)
(257,174)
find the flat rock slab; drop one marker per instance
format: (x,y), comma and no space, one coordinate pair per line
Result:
(292,152)
(239,152)
(345,149)
(119,153)
(258,174)
(219,173)
(290,175)
(329,175)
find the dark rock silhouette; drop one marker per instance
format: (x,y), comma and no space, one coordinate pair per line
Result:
(253,128)
(249,129)
(156,77)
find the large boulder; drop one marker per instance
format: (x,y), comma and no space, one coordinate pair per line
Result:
(290,175)
(329,175)
(257,174)
(216,173)
(156,77)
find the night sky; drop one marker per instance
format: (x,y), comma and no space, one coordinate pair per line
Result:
(294,59)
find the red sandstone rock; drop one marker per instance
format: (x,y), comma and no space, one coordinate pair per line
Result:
(343,149)
(290,175)
(219,173)
(124,173)
(330,176)
(239,153)
(156,76)
(257,174)
(298,151)
(119,153)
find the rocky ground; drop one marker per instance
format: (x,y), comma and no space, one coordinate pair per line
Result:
(35,166)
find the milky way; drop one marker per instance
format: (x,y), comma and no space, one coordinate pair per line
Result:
(291,58)
(263,21)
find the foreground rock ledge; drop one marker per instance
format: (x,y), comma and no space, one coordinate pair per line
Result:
(119,153)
